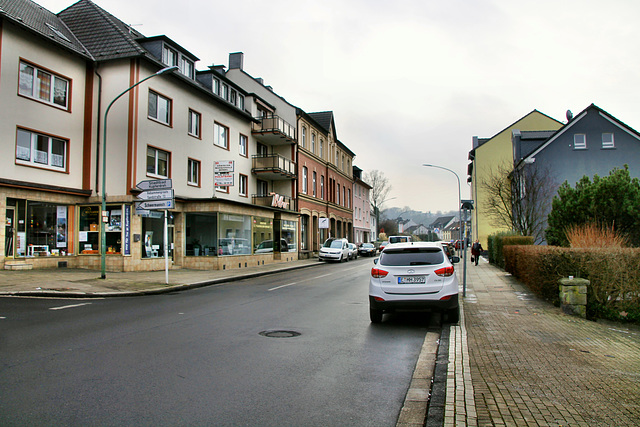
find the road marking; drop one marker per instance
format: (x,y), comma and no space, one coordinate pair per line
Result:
(281,286)
(69,306)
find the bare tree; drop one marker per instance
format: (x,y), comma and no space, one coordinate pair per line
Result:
(519,199)
(380,189)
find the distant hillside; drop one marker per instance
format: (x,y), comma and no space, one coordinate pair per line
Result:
(424,218)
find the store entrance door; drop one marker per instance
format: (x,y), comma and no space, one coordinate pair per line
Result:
(9,233)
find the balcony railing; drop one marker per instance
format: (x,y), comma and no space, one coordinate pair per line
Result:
(273,166)
(274,130)
(274,200)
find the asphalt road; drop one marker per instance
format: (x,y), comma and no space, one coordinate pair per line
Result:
(199,358)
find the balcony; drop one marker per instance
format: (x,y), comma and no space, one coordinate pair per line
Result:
(273,130)
(275,201)
(273,167)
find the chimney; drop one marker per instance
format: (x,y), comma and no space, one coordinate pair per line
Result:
(236,60)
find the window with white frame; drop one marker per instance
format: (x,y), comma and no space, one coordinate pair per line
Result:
(321,151)
(579,141)
(233,97)
(159,108)
(193,172)
(304,180)
(607,140)
(241,102)
(225,91)
(187,67)
(338,194)
(243,185)
(242,146)
(216,86)
(157,162)
(304,137)
(221,135)
(40,150)
(43,85)
(169,56)
(315,176)
(194,123)
(313,143)
(322,187)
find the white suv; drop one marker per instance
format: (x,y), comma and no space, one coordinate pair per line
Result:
(413,276)
(334,250)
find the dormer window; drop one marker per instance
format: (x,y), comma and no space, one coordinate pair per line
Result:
(225,91)
(233,97)
(216,86)
(187,68)
(241,102)
(169,56)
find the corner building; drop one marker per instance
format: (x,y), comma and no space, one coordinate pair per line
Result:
(227,147)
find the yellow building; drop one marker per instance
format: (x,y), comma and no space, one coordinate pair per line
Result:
(487,155)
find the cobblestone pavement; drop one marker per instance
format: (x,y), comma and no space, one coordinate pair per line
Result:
(532,365)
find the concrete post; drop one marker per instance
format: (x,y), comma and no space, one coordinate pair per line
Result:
(573,296)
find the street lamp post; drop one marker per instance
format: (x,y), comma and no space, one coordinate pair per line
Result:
(377,211)
(103,256)
(460,232)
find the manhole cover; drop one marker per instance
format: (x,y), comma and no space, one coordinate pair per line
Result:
(280,334)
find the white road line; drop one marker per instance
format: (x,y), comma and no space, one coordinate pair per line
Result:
(282,286)
(69,306)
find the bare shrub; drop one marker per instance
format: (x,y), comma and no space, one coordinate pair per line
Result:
(592,235)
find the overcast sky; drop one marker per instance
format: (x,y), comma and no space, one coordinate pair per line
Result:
(412,81)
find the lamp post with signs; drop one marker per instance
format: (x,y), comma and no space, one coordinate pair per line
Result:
(105,218)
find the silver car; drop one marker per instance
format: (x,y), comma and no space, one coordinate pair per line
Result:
(334,250)
(413,276)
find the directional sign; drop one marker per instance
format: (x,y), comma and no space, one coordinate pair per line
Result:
(155,204)
(149,214)
(154,184)
(156,195)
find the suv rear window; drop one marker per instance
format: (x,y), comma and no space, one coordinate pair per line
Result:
(412,256)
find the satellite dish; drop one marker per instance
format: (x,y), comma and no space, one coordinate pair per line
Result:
(569,115)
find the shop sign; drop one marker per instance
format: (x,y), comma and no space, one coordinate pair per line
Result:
(223,180)
(127,230)
(323,222)
(278,201)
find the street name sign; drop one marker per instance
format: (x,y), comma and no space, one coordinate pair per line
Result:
(155,204)
(155,184)
(156,195)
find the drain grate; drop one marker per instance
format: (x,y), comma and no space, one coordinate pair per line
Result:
(280,334)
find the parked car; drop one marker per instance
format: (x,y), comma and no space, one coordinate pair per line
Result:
(353,251)
(458,244)
(382,245)
(448,248)
(367,249)
(414,276)
(334,250)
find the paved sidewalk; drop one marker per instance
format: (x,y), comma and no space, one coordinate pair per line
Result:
(515,360)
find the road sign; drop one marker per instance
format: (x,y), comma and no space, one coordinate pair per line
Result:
(155,204)
(154,184)
(149,214)
(156,195)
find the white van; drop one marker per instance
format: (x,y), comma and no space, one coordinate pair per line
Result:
(399,239)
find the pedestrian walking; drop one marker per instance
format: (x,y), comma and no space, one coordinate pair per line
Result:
(476,249)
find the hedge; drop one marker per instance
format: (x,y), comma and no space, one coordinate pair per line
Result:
(496,243)
(614,275)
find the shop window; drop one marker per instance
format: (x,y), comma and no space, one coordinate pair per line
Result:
(201,234)
(113,230)
(263,235)
(89,230)
(288,231)
(46,232)
(235,235)
(153,237)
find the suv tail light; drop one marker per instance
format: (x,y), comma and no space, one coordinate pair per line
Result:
(377,273)
(445,271)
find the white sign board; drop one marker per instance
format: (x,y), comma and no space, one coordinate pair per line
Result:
(154,184)
(155,204)
(223,180)
(223,166)
(156,195)
(323,222)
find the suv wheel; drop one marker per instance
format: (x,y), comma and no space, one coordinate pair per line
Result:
(453,315)
(375,315)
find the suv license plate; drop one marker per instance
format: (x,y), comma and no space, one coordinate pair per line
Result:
(412,280)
